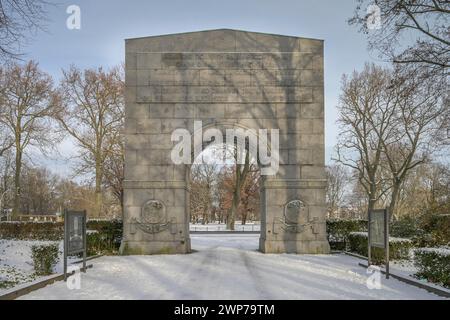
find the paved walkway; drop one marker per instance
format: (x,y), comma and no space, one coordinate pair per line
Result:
(229,267)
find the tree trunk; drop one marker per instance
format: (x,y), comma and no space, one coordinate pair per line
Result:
(239,182)
(17,191)
(204,214)
(98,187)
(393,202)
(234,206)
(121,201)
(244,217)
(372,197)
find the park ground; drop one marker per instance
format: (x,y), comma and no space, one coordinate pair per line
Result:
(229,267)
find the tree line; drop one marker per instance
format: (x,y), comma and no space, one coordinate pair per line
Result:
(393,139)
(392,148)
(36,114)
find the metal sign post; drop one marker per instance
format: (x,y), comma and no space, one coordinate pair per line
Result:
(74,236)
(378,235)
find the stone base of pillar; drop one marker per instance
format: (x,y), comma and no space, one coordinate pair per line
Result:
(154,247)
(292,246)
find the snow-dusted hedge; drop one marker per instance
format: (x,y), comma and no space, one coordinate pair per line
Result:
(433,264)
(436,231)
(45,257)
(105,240)
(339,229)
(16,230)
(399,248)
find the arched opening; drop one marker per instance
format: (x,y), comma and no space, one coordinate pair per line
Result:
(225,194)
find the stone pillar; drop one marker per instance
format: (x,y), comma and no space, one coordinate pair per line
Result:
(294,217)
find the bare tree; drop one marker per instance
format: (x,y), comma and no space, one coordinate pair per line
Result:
(418,121)
(412,32)
(240,175)
(114,165)
(203,181)
(28,104)
(358,202)
(366,110)
(6,179)
(18,20)
(338,179)
(92,113)
(426,187)
(250,194)
(39,191)
(391,121)
(6,143)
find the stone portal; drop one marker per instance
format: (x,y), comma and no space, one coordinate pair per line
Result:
(226,79)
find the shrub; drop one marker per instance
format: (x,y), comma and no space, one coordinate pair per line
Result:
(106,238)
(100,243)
(436,230)
(338,231)
(433,264)
(399,248)
(45,257)
(45,231)
(406,227)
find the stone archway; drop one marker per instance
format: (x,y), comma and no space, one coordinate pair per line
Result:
(247,79)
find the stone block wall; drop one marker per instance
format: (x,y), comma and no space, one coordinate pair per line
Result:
(226,79)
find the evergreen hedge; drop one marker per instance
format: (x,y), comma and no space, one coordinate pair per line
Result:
(433,264)
(339,229)
(27,230)
(399,248)
(45,257)
(105,239)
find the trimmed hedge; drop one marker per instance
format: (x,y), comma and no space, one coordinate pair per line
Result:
(436,229)
(105,240)
(45,257)
(51,231)
(427,230)
(399,248)
(433,264)
(338,231)
(406,227)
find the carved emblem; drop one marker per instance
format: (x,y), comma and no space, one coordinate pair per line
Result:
(152,212)
(293,210)
(295,217)
(153,217)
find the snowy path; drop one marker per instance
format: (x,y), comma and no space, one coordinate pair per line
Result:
(228,267)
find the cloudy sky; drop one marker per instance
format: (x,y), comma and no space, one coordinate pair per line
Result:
(106,23)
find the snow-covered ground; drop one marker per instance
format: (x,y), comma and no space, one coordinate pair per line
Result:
(228,267)
(16,264)
(222,227)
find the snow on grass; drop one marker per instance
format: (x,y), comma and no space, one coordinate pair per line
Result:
(442,251)
(229,267)
(16,264)
(363,234)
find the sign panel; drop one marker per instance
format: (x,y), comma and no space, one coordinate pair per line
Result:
(377,228)
(74,236)
(379,234)
(76,224)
